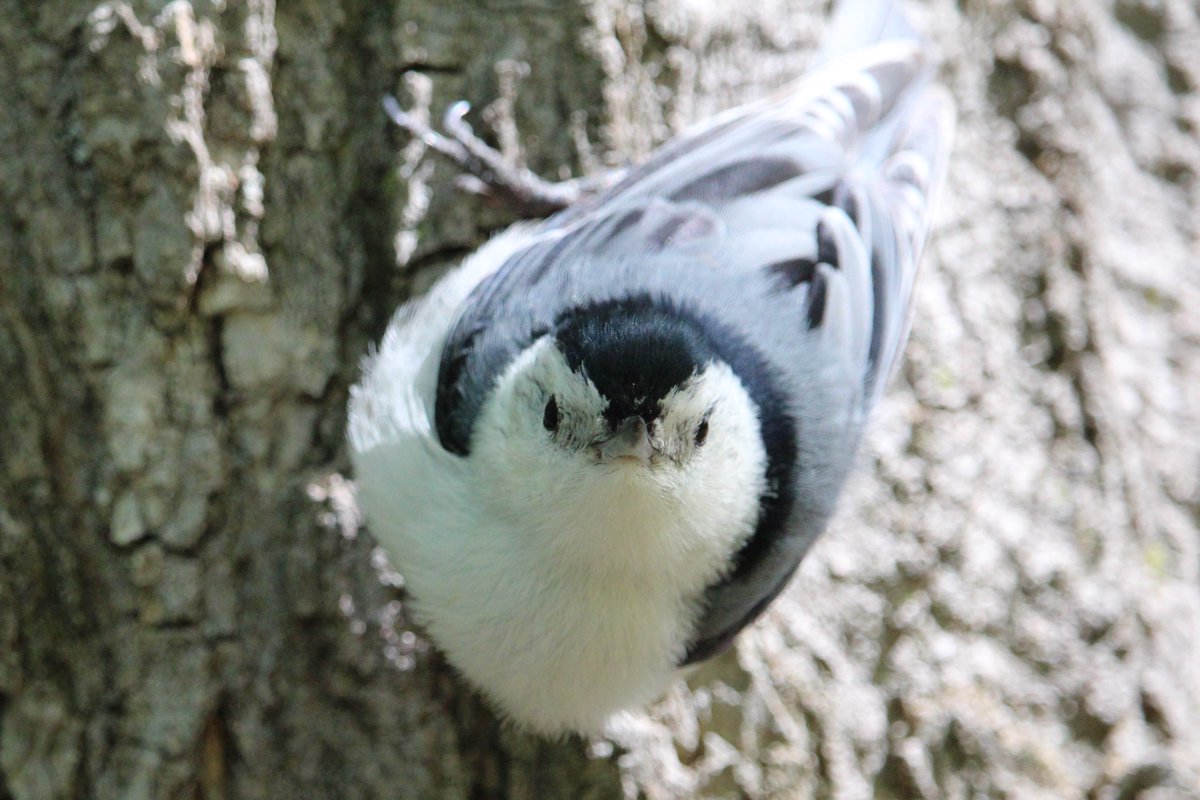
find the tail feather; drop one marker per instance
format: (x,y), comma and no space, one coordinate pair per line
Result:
(858,24)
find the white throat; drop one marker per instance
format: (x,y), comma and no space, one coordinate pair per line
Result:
(596,569)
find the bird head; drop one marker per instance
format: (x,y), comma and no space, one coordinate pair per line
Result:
(624,413)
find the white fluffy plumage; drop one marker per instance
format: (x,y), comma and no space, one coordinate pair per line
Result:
(600,447)
(520,556)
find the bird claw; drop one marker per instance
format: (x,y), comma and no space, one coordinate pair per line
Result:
(486,173)
(454,120)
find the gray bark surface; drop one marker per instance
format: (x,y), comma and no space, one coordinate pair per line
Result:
(205,219)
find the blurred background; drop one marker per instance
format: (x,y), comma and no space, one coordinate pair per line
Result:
(206,219)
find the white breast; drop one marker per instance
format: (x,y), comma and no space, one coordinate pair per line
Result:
(563,606)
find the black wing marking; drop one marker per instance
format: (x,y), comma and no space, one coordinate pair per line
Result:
(857,152)
(859,292)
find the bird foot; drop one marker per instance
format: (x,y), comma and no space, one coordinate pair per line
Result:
(486,173)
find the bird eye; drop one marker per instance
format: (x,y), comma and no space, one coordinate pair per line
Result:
(702,432)
(550,415)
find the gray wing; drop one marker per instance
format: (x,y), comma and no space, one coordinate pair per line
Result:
(869,240)
(801,219)
(743,185)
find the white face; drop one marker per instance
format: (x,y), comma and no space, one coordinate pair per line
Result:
(551,456)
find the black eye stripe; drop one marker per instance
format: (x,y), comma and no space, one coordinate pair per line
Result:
(702,431)
(550,415)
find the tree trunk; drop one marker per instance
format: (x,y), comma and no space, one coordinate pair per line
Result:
(206,219)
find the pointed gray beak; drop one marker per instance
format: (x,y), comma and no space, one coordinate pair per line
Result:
(631,440)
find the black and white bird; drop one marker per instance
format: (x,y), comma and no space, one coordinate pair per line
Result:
(599,448)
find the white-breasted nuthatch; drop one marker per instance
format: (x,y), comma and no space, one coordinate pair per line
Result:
(600,447)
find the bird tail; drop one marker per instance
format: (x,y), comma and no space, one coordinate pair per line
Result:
(859,24)
(879,30)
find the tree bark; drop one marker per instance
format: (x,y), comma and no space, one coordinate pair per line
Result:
(206,219)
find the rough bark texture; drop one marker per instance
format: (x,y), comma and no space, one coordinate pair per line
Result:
(205,219)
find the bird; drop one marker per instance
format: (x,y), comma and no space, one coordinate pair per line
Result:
(599,448)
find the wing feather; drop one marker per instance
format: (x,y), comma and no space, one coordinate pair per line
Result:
(820,196)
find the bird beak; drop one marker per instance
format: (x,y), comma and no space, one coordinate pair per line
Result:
(630,441)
